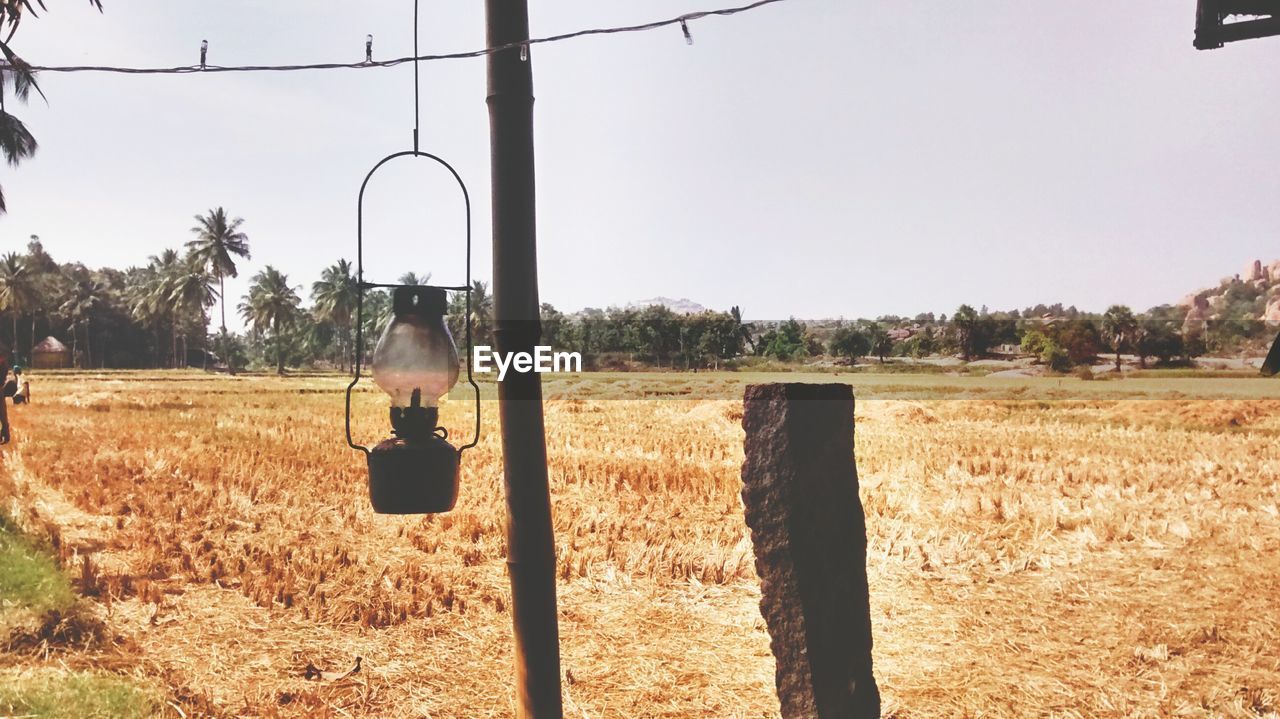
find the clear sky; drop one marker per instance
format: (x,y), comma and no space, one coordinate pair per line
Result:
(816,158)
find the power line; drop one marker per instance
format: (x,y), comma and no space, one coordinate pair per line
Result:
(681,20)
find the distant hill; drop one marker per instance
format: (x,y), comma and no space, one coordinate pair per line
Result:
(1254,294)
(681,306)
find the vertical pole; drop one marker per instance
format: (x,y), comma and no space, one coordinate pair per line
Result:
(4,375)
(800,494)
(531,558)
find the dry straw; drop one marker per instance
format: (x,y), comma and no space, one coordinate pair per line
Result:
(1097,558)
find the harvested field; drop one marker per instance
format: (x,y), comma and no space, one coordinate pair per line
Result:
(1106,549)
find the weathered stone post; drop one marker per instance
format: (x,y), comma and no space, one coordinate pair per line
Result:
(800,488)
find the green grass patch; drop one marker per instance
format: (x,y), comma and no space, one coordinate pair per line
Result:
(30,578)
(874,367)
(1188,372)
(60,695)
(32,584)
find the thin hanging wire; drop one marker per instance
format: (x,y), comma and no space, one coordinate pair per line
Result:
(195,69)
(363,286)
(416,62)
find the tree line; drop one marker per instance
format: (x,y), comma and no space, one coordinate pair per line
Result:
(159,315)
(1059,338)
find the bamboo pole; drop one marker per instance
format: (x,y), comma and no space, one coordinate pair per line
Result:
(531,558)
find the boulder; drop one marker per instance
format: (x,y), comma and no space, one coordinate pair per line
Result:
(1273,271)
(1272,314)
(1252,271)
(1197,317)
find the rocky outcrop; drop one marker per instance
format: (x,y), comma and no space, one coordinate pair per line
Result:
(1197,317)
(1210,304)
(681,306)
(1252,271)
(1272,315)
(1273,271)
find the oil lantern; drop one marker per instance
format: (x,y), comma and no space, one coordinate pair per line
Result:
(415,362)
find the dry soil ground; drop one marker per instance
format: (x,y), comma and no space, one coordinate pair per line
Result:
(1037,548)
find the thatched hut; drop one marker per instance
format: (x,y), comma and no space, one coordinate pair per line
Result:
(50,354)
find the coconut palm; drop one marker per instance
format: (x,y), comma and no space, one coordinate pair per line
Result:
(133,299)
(17,289)
(377,312)
(271,305)
(335,296)
(743,328)
(16,142)
(217,240)
(86,295)
(191,294)
(412,278)
(1119,325)
(149,297)
(481,313)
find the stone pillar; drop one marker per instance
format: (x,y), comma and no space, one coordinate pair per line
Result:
(800,488)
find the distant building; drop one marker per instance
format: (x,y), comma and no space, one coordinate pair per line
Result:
(50,354)
(204,359)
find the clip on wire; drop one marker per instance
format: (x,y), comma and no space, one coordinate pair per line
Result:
(684,28)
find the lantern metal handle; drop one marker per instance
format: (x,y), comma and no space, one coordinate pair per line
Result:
(362,285)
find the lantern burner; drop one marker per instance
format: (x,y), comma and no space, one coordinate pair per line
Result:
(414,422)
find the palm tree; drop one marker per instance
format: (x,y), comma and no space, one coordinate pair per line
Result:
(377,311)
(271,304)
(149,299)
(217,239)
(1118,324)
(85,297)
(135,296)
(17,289)
(412,278)
(16,142)
(743,328)
(481,312)
(335,296)
(191,293)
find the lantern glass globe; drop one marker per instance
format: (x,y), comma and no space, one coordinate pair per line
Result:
(416,360)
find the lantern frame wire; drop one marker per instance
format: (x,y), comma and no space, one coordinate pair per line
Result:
(363,286)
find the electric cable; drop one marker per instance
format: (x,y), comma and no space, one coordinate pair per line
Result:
(681,20)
